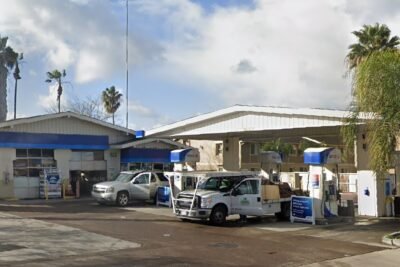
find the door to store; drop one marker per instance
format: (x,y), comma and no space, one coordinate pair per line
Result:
(86,180)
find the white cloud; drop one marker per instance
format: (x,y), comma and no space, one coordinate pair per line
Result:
(82,35)
(140,110)
(49,102)
(145,117)
(292,52)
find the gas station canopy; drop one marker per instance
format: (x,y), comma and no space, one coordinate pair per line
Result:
(322,155)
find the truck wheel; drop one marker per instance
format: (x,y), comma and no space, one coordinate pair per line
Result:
(122,199)
(218,215)
(284,215)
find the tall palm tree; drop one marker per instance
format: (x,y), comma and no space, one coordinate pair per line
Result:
(371,38)
(7,60)
(111,100)
(17,77)
(57,76)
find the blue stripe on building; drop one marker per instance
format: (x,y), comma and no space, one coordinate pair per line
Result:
(53,141)
(145,155)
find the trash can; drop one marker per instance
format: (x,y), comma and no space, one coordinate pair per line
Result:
(164,196)
(346,208)
(397,206)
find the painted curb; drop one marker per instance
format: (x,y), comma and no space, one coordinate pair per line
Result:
(392,239)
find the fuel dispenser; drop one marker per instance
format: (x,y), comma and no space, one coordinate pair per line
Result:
(181,181)
(322,181)
(271,164)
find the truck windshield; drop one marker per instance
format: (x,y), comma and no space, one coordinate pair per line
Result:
(218,184)
(125,177)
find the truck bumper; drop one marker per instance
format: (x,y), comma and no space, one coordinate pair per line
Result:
(199,214)
(104,197)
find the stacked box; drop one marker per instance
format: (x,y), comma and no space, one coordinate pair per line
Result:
(270,192)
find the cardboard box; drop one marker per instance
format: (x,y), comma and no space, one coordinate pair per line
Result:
(270,192)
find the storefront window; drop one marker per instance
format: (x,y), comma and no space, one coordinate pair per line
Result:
(33,162)
(22,153)
(34,153)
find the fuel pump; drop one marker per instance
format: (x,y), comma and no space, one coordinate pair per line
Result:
(271,164)
(323,182)
(181,181)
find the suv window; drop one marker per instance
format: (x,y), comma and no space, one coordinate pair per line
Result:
(124,177)
(153,178)
(162,177)
(142,179)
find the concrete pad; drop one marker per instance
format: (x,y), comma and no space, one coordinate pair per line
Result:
(36,239)
(284,227)
(383,258)
(163,211)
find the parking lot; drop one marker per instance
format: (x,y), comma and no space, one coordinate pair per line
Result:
(83,233)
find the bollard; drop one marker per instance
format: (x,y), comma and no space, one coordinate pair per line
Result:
(78,189)
(63,190)
(46,190)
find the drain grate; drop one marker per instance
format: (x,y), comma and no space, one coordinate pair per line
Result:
(224,245)
(7,247)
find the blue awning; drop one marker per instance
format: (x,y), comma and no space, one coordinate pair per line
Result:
(322,155)
(185,155)
(145,155)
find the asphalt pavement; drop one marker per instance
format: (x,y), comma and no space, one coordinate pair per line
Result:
(79,232)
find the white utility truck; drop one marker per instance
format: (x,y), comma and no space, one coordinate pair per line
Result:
(216,197)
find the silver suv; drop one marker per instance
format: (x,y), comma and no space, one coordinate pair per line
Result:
(129,185)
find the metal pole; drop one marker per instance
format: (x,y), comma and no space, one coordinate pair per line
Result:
(126,60)
(15,99)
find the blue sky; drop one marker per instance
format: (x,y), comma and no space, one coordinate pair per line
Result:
(188,57)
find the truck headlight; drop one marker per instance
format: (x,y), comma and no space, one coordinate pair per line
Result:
(206,202)
(110,190)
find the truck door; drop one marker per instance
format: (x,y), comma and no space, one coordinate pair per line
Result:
(140,187)
(246,198)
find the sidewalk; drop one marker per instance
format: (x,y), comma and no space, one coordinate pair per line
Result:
(383,258)
(44,201)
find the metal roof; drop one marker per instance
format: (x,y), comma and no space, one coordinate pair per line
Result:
(146,141)
(67,114)
(241,118)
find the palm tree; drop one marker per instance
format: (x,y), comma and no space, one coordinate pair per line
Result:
(57,76)
(111,100)
(17,77)
(371,38)
(7,60)
(285,149)
(377,94)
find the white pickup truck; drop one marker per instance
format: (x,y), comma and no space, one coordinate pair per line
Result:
(217,197)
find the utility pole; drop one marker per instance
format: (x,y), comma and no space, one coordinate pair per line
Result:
(126,60)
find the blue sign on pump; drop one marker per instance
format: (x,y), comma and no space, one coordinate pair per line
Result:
(301,209)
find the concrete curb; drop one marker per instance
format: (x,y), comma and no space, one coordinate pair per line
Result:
(392,239)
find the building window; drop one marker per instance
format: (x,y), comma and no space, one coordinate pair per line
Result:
(33,162)
(254,149)
(218,149)
(87,155)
